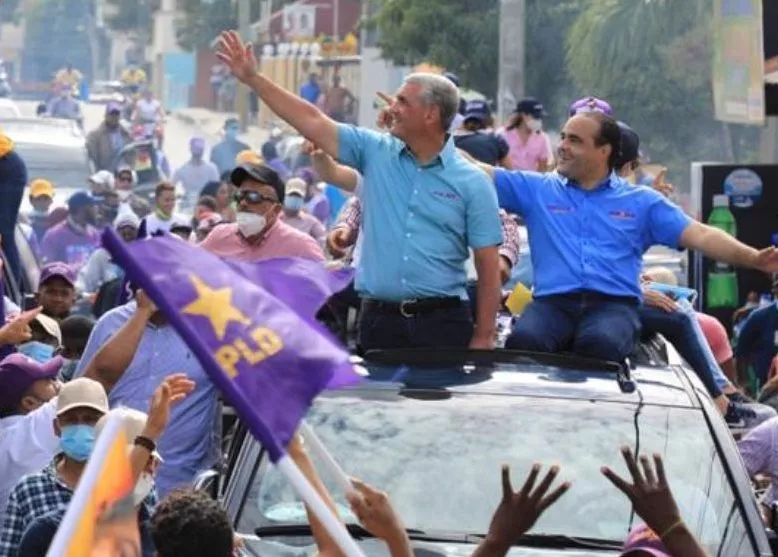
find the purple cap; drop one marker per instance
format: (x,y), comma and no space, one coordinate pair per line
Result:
(112,107)
(17,374)
(590,104)
(57,269)
(197,143)
(642,538)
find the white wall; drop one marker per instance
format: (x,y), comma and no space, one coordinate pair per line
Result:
(377,74)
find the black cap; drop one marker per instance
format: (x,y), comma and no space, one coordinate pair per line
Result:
(262,174)
(630,145)
(531,106)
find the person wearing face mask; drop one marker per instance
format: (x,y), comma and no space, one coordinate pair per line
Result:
(295,216)
(33,404)
(529,145)
(126,178)
(196,172)
(64,105)
(473,138)
(73,240)
(105,142)
(223,153)
(260,232)
(142,433)
(75,334)
(41,197)
(100,268)
(45,339)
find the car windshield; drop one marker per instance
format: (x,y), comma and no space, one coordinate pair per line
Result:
(439,458)
(65,166)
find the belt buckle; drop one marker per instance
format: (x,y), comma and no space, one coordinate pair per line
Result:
(402,308)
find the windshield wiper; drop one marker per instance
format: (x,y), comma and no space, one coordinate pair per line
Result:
(358,532)
(558,541)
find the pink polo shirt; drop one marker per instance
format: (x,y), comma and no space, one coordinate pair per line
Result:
(527,156)
(717,338)
(281,240)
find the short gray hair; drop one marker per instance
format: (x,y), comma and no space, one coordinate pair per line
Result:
(439,91)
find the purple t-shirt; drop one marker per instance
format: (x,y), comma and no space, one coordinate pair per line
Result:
(759,449)
(63,243)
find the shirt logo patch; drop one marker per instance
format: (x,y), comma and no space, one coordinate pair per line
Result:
(559,209)
(622,215)
(447,195)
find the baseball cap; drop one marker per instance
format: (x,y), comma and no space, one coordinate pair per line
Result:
(82,393)
(248,156)
(51,326)
(531,106)
(296,185)
(180,221)
(80,199)
(57,269)
(41,187)
(126,217)
(590,104)
(477,110)
(261,173)
(133,421)
(17,374)
(642,538)
(630,145)
(103,178)
(453,78)
(113,108)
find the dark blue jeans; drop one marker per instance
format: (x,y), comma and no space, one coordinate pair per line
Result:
(588,324)
(678,328)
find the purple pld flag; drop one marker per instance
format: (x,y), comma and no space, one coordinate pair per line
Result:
(269,359)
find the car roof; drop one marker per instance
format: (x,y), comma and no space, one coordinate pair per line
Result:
(515,373)
(44,131)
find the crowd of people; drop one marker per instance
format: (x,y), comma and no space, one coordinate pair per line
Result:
(439,186)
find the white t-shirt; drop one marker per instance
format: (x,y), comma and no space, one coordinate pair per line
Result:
(155,224)
(27,445)
(148,110)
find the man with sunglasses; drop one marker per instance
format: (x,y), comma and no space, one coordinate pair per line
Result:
(259,232)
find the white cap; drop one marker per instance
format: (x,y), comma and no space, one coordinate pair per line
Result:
(133,422)
(103,178)
(721,200)
(50,325)
(82,393)
(126,217)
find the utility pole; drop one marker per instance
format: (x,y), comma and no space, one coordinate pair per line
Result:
(510,87)
(242,92)
(336,20)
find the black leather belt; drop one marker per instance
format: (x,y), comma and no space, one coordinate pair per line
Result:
(409,308)
(584,296)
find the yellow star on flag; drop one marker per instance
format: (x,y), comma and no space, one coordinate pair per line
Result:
(216,305)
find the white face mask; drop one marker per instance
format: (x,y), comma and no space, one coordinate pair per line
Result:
(124,195)
(142,488)
(534,125)
(250,224)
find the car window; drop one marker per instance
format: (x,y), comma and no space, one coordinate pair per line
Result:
(64,166)
(440,463)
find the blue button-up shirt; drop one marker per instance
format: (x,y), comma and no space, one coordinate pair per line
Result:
(418,220)
(589,240)
(191,441)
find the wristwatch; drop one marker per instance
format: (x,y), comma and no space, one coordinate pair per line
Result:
(146,443)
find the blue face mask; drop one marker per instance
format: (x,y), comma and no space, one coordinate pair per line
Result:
(68,370)
(231,133)
(36,350)
(77,441)
(293,203)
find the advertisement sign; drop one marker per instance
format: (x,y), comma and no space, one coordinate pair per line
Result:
(738,61)
(300,22)
(739,200)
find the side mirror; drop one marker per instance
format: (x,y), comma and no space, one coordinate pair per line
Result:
(208,482)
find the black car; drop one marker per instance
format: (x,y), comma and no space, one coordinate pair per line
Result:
(433,428)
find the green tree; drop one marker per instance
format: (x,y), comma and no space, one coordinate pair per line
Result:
(132,16)
(459,35)
(203,20)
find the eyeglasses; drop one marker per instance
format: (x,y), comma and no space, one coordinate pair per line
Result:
(252,197)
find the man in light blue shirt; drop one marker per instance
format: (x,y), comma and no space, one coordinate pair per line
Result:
(424,207)
(135,348)
(588,230)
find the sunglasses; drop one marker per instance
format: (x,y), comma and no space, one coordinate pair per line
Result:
(252,197)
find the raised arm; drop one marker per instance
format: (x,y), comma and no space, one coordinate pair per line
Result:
(312,123)
(342,176)
(717,244)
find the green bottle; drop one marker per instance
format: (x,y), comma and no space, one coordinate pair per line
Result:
(722,280)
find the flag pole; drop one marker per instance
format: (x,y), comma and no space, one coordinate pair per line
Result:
(329,461)
(313,500)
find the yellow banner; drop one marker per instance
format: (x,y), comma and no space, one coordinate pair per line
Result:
(739,62)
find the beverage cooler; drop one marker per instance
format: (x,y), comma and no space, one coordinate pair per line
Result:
(743,202)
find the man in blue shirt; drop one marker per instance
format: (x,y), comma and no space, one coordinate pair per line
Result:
(424,206)
(223,153)
(588,230)
(758,340)
(311,90)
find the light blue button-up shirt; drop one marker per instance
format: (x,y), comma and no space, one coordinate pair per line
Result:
(418,221)
(191,441)
(589,240)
